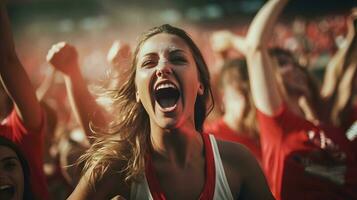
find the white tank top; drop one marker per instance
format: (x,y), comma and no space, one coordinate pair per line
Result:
(140,190)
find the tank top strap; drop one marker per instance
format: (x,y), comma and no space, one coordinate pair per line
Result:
(222,189)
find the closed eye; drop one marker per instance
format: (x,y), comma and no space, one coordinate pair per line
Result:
(148,63)
(178,60)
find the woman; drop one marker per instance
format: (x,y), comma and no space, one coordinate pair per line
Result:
(26,124)
(14,173)
(156,149)
(238,123)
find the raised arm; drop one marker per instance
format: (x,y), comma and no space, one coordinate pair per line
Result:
(64,58)
(343,101)
(14,78)
(44,88)
(337,65)
(264,86)
(262,25)
(340,74)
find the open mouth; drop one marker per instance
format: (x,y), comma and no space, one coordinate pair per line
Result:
(167,95)
(7,192)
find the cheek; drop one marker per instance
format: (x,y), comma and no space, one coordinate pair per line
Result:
(191,82)
(18,176)
(21,181)
(142,81)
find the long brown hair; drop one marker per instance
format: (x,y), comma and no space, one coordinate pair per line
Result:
(127,137)
(235,71)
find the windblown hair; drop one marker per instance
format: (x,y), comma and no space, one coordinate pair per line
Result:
(28,194)
(127,138)
(235,72)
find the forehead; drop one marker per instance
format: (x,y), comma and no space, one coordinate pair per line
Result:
(162,43)
(6,152)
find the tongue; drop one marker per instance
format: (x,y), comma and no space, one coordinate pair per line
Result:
(167,102)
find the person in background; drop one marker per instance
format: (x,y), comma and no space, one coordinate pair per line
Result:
(25,126)
(301,158)
(64,58)
(340,77)
(238,123)
(14,172)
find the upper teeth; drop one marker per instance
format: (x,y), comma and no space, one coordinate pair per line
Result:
(4,187)
(166,85)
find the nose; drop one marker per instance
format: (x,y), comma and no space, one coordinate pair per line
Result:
(163,69)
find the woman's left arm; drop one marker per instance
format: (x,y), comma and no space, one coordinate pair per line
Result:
(245,175)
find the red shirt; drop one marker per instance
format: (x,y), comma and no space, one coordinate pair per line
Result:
(296,165)
(31,144)
(221,131)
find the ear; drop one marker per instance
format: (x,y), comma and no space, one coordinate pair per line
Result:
(201,89)
(137,97)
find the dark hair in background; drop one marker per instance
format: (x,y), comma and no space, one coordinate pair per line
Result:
(28,195)
(280,54)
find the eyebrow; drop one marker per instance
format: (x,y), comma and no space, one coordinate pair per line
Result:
(149,54)
(171,51)
(177,51)
(9,158)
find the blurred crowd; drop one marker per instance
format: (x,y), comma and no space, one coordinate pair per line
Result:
(72,84)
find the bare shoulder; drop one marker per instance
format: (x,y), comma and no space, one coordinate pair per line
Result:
(245,177)
(235,153)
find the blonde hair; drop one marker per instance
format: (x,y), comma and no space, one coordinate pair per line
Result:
(127,138)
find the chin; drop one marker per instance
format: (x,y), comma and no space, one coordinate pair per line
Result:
(168,124)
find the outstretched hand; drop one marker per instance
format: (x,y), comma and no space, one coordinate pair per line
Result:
(63,57)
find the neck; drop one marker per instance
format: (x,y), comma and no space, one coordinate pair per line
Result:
(178,146)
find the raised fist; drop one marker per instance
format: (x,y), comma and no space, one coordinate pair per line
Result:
(63,57)
(119,54)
